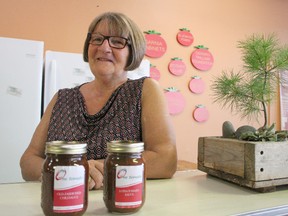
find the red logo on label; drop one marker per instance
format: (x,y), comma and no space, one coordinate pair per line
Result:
(121,173)
(60,174)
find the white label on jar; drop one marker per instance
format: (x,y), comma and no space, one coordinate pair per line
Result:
(69,189)
(129,186)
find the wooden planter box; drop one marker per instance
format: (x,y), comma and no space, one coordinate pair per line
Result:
(258,165)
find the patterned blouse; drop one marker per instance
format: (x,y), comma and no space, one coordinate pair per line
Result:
(119,119)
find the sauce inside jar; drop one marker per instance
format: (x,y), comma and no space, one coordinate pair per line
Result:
(124,177)
(65,173)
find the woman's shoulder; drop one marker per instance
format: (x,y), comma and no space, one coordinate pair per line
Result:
(151,89)
(144,80)
(144,83)
(69,90)
(151,85)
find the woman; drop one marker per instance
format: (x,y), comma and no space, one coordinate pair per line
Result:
(111,107)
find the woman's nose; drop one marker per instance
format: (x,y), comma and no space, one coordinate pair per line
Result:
(105,45)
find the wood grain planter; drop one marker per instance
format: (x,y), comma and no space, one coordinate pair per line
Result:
(258,165)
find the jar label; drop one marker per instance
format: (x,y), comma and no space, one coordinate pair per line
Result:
(129,186)
(69,188)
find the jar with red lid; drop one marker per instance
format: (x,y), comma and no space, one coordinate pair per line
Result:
(124,177)
(65,172)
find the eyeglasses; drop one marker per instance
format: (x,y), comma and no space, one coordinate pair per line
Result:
(114,41)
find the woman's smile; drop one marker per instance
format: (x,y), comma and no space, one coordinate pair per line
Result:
(105,59)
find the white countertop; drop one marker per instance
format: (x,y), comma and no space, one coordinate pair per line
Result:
(187,193)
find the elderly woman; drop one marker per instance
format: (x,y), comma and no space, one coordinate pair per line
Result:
(111,107)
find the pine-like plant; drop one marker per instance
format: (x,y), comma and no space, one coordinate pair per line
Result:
(248,92)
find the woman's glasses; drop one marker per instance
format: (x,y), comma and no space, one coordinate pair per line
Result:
(114,41)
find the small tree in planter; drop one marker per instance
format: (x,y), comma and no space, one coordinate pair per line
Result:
(249,91)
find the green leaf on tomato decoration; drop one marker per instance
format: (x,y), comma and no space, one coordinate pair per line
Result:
(196,77)
(152,32)
(184,29)
(201,47)
(171,89)
(176,58)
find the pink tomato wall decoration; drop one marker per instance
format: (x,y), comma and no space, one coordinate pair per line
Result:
(175,100)
(201,58)
(176,67)
(155,45)
(196,85)
(154,73)
(184,37)
(200,113)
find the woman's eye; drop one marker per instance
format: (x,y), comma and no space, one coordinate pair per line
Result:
(117,41)
(97,39)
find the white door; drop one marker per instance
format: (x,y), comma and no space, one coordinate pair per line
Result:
(21,66)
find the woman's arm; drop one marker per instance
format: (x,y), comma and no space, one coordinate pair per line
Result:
(158,135)
(32,159)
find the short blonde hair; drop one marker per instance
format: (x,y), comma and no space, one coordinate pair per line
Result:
(121,25)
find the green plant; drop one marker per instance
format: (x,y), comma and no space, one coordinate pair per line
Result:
(265,134)
(249,91)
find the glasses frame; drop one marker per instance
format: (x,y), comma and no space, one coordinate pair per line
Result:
(127,42)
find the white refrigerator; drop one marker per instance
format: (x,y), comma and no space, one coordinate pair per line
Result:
(63,70)
(21,70)
(66,70)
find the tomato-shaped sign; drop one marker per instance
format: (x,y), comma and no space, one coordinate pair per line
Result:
(155,44)
(184,37)
(154,72)
(196,85)
(177,67)
(201,58)
(201,114)
(175,100)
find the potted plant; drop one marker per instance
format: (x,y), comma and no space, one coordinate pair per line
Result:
(248,92)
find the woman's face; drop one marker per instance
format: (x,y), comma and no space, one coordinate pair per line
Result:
(105,60)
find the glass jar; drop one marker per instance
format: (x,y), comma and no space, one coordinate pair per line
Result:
(65,173)
(124,177)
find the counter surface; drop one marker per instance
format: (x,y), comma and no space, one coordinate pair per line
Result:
(187,193)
